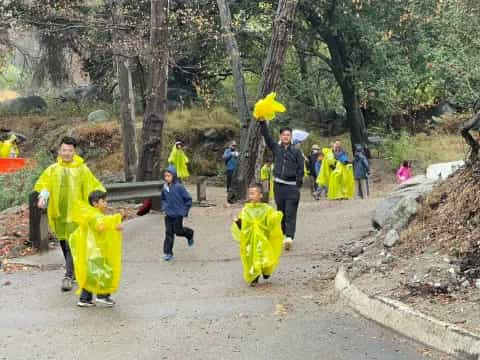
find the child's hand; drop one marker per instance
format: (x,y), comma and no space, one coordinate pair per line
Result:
(119,227)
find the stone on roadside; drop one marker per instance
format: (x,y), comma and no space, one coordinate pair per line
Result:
(24,105)
(391,238)
(99,116)
(355,251)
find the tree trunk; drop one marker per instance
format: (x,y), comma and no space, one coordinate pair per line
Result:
(127,98)
(252,153)
(156,110)
(342,70)
(235,59)
(127,114)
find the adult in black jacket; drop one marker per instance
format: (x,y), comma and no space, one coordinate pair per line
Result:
(288,171)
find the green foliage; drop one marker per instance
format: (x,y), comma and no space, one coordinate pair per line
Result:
(16,187)
(397,148)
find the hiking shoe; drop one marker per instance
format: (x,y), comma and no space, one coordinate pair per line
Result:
(190,242)
(67,284)
(83,303)
(107,301)
(168,257)
(255,282)
(288,243)
(266,277)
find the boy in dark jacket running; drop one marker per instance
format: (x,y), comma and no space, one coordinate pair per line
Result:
(176,203)
(288,172)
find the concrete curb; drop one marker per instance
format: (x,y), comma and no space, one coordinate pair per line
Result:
(399,317)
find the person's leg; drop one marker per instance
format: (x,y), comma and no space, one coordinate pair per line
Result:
(169,235)
(229,180)
(364,188)
(184,231)
(67,254)
(358,185)
(290,214)
(280,201)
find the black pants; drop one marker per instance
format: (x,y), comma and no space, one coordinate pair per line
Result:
(229,179)
(87,296)
(67,254)
(287,198)
(174,226)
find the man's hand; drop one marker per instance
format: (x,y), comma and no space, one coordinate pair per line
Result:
(42,203)
(119,227)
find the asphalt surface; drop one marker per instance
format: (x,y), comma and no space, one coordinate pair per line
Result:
(198,307)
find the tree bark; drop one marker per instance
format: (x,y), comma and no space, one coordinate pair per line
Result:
(342,70)
(237,70)
(127,97)
(156,110)
(473,123)
(252,152)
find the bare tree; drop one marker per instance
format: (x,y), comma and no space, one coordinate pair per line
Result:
(252,151)
(156,109)
(237,70)
(125,85)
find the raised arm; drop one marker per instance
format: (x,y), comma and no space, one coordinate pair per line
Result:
(267,136)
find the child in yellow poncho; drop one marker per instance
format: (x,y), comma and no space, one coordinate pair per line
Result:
(96,247)
(179,159)
(259,231)
(266,177)
(8,148)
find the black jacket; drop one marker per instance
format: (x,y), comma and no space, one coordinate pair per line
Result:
(288,162)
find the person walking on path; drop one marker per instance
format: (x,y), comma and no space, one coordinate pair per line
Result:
(288,172)
(312,167)
(230,156)
(176,203)
(60,186)
(361,170)
(179,159)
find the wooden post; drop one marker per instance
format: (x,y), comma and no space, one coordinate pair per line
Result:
(38,232)
(201,189)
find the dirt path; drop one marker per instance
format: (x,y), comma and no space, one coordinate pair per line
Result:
(198,307)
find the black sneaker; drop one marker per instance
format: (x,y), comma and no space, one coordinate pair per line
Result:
(190,242)
(67,284)
(266,277)
(108,301)
(83,303)
(254,282)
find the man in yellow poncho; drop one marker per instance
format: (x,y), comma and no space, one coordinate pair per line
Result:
(96,247)
(8,148)
(179,159)
(258,229)
(61,185)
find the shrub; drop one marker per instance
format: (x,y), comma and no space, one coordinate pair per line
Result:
(399,147)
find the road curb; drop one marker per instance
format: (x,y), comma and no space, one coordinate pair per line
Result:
(413,324)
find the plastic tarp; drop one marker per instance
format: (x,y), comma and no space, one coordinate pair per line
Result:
(179,159)
(260,236)
(66,183)
(96,247)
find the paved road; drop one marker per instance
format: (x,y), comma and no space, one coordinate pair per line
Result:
(198,307)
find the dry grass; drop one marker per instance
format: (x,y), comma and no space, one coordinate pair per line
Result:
(431,149)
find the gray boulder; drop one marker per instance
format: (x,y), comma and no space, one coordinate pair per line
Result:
(391,238)
(99,116)
(396,210)
(24,105)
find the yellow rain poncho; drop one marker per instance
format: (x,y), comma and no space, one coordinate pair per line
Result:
(260,236)
(323,179)
(8,147)
(96,247)
(66,184)
(179,159)
(342,183)
(266,175)
(266,108)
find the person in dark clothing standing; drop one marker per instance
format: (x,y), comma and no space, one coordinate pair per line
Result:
(288,172)
(361,170)
(230,156)
(312,167)
(176,203)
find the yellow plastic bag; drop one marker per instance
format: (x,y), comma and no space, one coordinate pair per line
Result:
(67,184)
(266,108)
(260,238)
(179,159)
(323,179)
(342,183)
(7,146)
(97,255)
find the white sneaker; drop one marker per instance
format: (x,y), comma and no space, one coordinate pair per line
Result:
(287,243)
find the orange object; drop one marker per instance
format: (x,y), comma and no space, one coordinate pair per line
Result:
(11,165)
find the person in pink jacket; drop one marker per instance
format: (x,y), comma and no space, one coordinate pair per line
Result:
(404,173)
